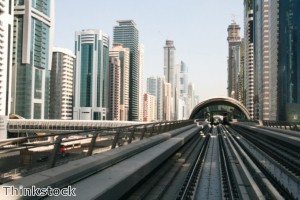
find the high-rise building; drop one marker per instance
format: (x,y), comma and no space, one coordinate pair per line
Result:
(61,84)
(114,88)
(288,57)
(183,91)
(166,101)
(149,108)
(171,76)
(141,82)
(91,75)
(234,51)
(6,43)
(123,55)
(261,59)
(127,34)
(249,78)
(32,55)
(155,87)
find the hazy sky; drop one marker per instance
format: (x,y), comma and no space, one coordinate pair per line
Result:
(198,28)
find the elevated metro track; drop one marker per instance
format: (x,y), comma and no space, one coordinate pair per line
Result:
(238,161)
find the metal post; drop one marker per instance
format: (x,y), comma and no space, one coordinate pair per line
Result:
(152,130)
(144,131)
(92,144)
(116,139)
(55,151)
(131,134)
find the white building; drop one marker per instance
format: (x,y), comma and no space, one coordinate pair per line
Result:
(61,84)
(122,54)
(91,75)
(6,42)
(149,108)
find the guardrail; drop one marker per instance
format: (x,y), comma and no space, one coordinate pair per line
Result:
(118,136)
(295,126)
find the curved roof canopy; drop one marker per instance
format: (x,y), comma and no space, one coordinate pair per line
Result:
(220,105)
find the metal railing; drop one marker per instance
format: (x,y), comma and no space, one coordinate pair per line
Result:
(114,138)
(294,126)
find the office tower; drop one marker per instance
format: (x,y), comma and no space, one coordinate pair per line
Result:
(234,43)
(183,90)
(61,84)
(288,23)
(149,108)
(123,55)
(114,88)
(166,101)
(249,58)
(262,61)
(170,72)
(241,85)
(91,75)
(155,87)
(141,81)
(191,97)
(6,42)
(126,34)
(33,31)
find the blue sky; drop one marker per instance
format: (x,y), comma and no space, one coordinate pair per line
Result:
(198,28)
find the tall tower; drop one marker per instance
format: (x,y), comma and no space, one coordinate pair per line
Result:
(114,88)
(33,31)
(141,82)
(61,84)
(288,59)
(170,74)
(250,77)
(6,38)
(234,42)
(127,34)
(122,54)
(91,75)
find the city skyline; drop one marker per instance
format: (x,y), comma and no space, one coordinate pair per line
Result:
(202,48)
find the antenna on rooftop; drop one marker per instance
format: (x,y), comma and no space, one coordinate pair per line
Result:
(233,17)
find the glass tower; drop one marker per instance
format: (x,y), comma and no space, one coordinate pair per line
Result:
(289,60)
(33,27)
(127,34)
(91,75)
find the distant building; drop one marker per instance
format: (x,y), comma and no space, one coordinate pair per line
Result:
(149,108)
(123,55)
(6,47)
(91,75)
(141,81)
(249,76)
(166,101)
(234,51)
(156,87)
(32,55)
(114,88)
(171,74)
(61,84)
(127,34)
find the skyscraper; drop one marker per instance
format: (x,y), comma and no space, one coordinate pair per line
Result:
(114,88)
(170,72)
(6,42)
(33,31)
(155,88)
(288,59)
(61,84)
(123,55)
(141,81)
(127,34)
(91,75)
(234,42)
(249,58)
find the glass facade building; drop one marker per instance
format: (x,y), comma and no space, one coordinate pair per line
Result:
(289,60)
(91,75)
(127,34)
(33,30)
